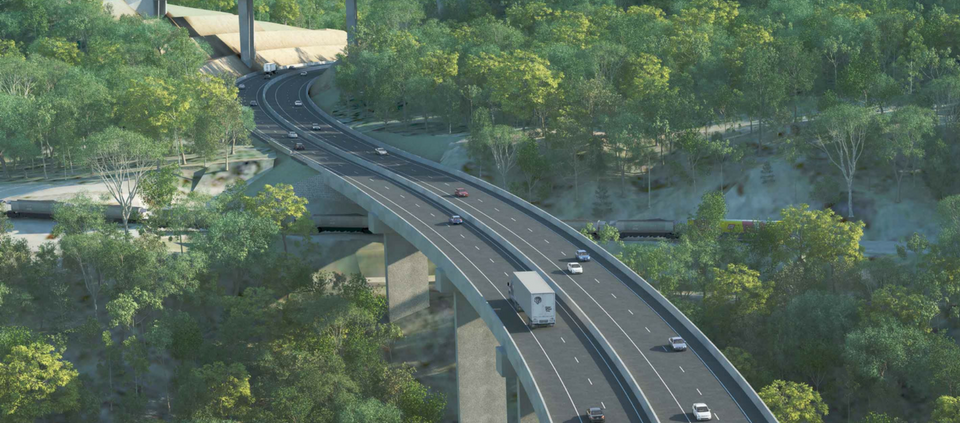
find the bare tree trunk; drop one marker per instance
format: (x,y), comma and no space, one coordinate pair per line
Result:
(649,184)
(850,198)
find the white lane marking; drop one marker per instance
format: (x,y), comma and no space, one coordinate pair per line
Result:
(371,180)
(546,241)
(446,184)
(418,205)
(478,248)
(563,253)
(506,274)
(698,391)
(598,280)
(664,348)
(386,187)
(479,200)
(603,405)
(575,358)
(681,369)
(461,236)
(715,415)
(431,214)
(648,329)
(513,219)
(402,196)
(591,382)
(491,261)
(631,312)
(561,338)
(531,230)
(614,296)
(496,209)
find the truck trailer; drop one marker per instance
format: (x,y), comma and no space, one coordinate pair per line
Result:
(532,295)
(270,68)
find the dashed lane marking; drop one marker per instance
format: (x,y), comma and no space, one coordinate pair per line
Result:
(418,205)
(479,200)
(598,280)
(698,391)
(386,187)
(631,312)
(496,209)
(491,261)
(591,382)
(431,214)
(648,329)
(513,219)
(461,236)
(603,405)
(531,230)
(546,241)
(578,360)
(562,340)
(478,248)
(402,196)
(681,369)
(614,296)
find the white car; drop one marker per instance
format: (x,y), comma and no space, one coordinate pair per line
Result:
(574,268)
(701,412)
(303,73)
(315,127)
(380,151)
(242,87)
(253,103)
(678,344)
(298,103)
(292,134)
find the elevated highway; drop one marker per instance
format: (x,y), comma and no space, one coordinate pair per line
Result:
(609,346)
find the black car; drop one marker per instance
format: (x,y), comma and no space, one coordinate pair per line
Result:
(595,414)
(299,146)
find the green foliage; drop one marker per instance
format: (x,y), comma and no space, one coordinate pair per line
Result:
(160,187)
(947,410)
(215,390)
(35,381)
(793,402)
(79,215)
(602,204)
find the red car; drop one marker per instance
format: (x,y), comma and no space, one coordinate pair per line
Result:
(460,192)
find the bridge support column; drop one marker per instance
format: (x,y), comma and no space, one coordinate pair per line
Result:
(248,52)
(161,8)
(351,21)
(481,393)
(408,290)
(519,409)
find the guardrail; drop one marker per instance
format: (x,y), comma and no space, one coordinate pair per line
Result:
(405,229)
(591,327)
(595,251)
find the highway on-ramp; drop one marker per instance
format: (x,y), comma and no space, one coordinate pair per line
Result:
(603,311)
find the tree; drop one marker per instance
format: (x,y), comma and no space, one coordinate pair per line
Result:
(842,134)
(742,286)
(369,410)
(478,147)
(235,239)
(912,309)
(282,206)
(793,402)
(520,82)
(875,417)
(534,165)
(879,353)
(122,158)
(215,390)
(35,382)
(157,109)
(160,187)
(722,152)
(602,205)
(285,11)
(696,148)
(903,148)
(79,215)
(504,145)
(763,85)
(666,266)
(947,410)
(570,140)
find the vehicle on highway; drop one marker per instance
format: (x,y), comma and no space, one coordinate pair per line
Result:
(242,86)
(677,343)
(267,76)
(269,68)
(303,73)
(532,295)
(292,134)
(701,412)
(298,103)
(574,268)
(461,192)
(456,219)
(380,151)
(316,126)
(595,414)
(583,255)
(45,209)
(253,103)
(299,146)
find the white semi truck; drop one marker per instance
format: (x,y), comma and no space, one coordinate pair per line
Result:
(269,68)
(532,295)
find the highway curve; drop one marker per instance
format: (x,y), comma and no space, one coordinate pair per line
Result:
(571,366)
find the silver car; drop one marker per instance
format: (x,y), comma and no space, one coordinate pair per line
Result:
(292,134)
(298,103)
(678,344)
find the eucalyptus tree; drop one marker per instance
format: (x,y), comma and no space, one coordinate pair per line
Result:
(122,158)
(842,134)
(902,148)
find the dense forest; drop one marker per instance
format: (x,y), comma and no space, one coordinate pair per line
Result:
(104,323)
(553,93)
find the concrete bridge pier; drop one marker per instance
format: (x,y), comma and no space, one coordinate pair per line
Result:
(481,392)
(161,8)
(351,21)
(406,272)
(248,51)
(519,408)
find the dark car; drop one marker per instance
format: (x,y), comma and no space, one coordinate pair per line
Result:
(595,414)
(299,146)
